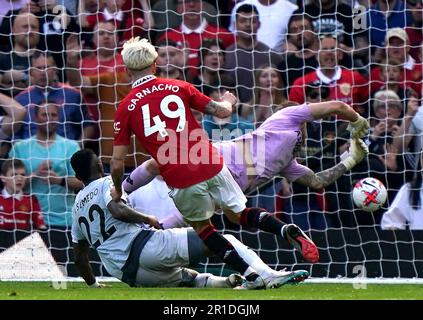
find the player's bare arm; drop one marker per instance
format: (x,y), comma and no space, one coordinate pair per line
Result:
(124,213)
(82,262)
(357,152)
(218,109)
(358,125)
(117,166)
(322,179)
(222,109)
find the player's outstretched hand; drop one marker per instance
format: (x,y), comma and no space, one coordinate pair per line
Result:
(357,152)
(358,128)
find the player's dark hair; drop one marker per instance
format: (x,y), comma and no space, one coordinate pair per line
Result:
(81,162)
(11,164)
(247,8)
(416,185)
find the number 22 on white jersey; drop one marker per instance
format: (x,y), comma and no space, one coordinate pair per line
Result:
(159,125)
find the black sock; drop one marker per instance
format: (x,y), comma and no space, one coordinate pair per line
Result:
(261,219)
(223,249)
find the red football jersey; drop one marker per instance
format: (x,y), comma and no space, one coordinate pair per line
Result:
(351,88)
(158,112)
(18,213)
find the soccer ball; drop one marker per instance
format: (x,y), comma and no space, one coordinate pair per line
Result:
(369,194)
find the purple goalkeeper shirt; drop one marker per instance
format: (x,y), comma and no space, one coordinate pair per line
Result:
(272,145)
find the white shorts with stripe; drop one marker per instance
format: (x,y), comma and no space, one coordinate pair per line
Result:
(164,256)
(198,202)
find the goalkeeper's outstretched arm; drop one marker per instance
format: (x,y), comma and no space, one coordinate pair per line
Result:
(358,151)
(358,125)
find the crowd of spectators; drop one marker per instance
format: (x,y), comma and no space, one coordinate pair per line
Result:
(61,69)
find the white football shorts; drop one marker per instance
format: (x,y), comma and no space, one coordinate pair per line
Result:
(198,202)
(164,256)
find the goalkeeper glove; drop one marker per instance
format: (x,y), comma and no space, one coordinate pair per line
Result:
(358,128)
(358,150)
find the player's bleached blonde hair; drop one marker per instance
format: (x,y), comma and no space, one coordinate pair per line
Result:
(138,54)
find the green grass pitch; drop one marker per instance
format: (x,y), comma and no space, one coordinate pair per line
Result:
(119,291)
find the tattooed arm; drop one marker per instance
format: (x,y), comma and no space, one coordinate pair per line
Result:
(219,109)
(357,152)
(223,108)
(322,179)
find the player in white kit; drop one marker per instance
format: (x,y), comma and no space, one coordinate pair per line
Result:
(137,254)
